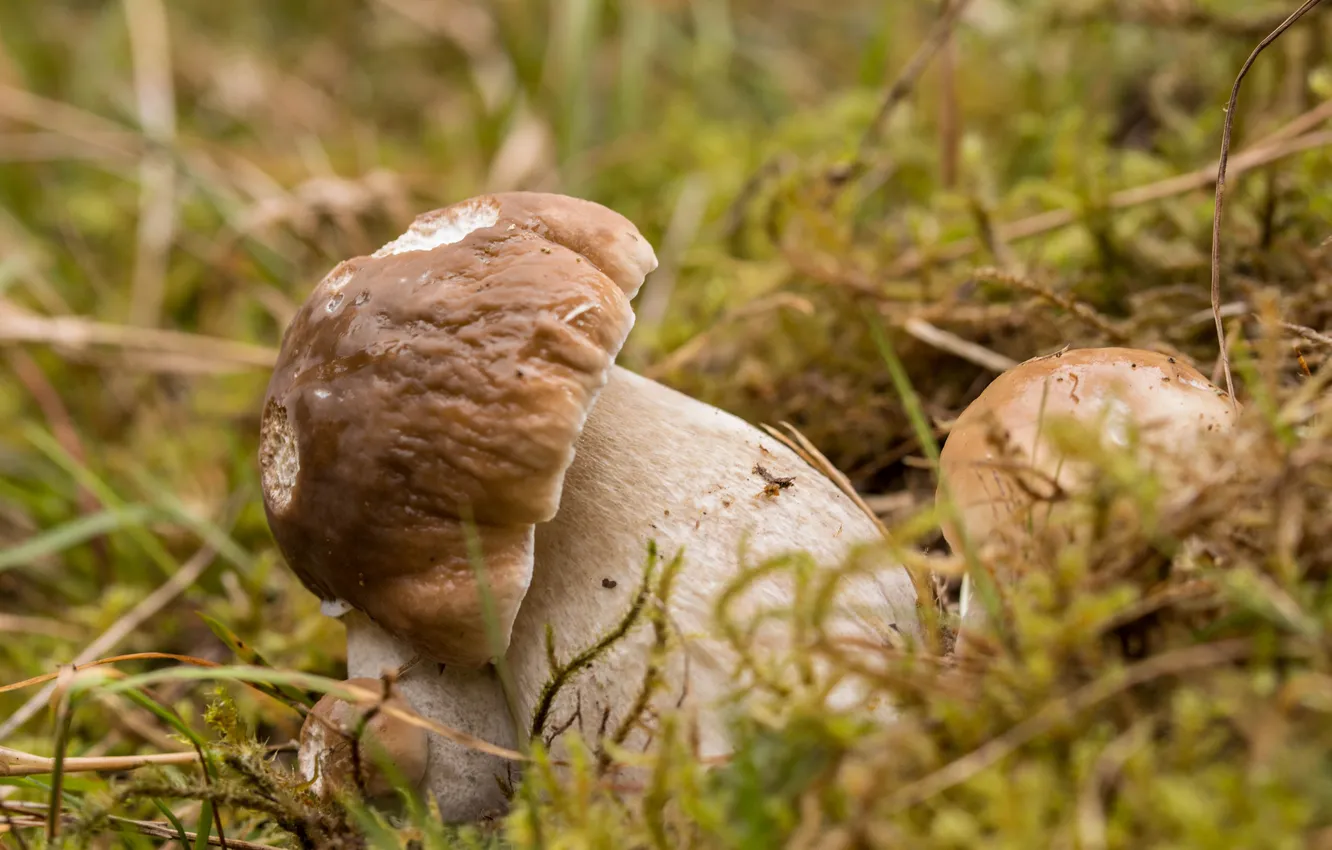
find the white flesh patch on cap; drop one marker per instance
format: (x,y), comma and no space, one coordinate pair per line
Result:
(429,232)
(336,279)
(279,458)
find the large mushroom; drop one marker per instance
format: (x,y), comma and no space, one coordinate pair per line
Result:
(1003,470)
(420,431)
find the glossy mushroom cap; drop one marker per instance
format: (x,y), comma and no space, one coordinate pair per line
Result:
(997,460)
(326,752)
(444,379)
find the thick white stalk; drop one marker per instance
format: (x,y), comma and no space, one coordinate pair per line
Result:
(465,782)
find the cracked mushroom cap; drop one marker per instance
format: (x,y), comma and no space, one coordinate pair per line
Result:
(326,753)
(436,386)
(992,449)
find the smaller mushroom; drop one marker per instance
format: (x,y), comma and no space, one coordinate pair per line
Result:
(329,752)
(1003,471)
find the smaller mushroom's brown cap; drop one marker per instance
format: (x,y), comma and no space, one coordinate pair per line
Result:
(326,747)
(444,378)
(996,444)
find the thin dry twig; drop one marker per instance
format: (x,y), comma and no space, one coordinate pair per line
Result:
(346,691)
(38,813)
(1227,127)
(1308,333)
(938,36)
(953,344)
(1186,15)
(1306,122)
(1041,223)
(17,763)
(1076,308)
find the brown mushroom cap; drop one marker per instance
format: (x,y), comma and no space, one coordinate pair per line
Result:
(326,751)
(1167,404)
(448,375)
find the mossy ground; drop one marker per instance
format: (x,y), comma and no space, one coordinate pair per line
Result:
(1165,683)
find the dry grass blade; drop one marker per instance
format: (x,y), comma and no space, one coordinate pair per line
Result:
(114,659)
(150,48)
(365,696)
(810,453)
(82,334)
(343,690)
(681,231)
(1227,127)
(62,120)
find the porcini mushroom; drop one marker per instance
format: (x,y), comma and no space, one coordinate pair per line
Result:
(1001,467)
(340,740)
(444,379)
(448,378)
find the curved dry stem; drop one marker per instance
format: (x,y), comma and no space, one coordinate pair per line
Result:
(1227,127)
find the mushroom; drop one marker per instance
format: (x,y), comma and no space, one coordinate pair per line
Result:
(331,751)
(442,380)
(1001,468)
(441,385)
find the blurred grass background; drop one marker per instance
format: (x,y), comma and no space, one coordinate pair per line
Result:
(175,175)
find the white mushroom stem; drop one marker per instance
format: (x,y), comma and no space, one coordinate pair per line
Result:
(651,464)
(466,782)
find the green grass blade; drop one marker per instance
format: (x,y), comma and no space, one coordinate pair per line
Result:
(167,716)
(90,481)
(173,820)
(248,654)
(983,586)
(208,531)
(205,829)
(73,533)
